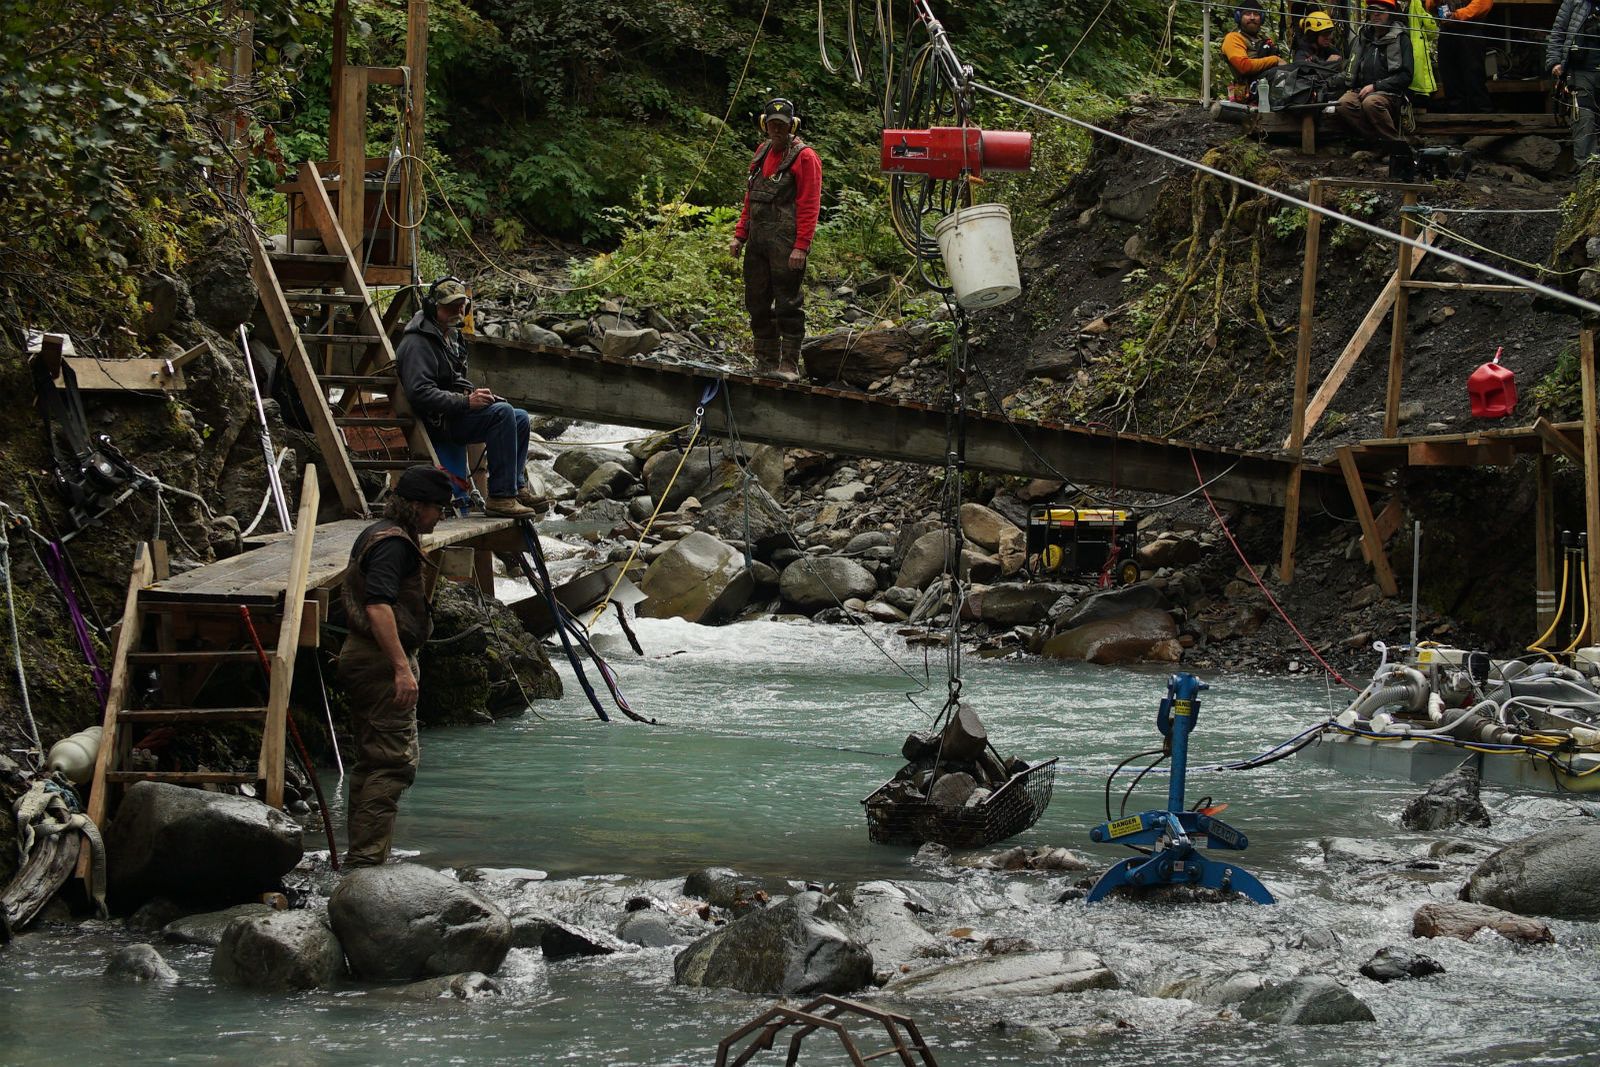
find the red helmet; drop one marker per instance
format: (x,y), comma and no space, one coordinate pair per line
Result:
(1387,5)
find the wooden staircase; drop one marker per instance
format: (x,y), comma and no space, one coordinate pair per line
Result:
(336,346)
(186,639)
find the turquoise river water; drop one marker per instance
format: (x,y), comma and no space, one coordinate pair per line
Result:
(770,735)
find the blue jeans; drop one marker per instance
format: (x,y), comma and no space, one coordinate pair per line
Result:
(503,431)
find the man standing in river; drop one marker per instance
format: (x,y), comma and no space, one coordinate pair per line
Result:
(386,601)
(783,197)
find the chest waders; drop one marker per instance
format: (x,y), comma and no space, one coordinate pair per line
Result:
(772,292)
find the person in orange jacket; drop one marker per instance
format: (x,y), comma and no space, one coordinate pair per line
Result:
(1463,41)
(1249,50)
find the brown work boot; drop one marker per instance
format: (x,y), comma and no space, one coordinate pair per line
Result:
(789,359)
(765,350)
(507,507)
(529,499)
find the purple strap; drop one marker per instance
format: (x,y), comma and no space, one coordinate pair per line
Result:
(56,563)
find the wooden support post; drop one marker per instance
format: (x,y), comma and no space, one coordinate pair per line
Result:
(1302,376)
(117,695)
(352,160)
(1370,538)
(1544,546)
(1205,56)
(294,602)
(336,74)
(411,197)
(1591,457)
(1397,331)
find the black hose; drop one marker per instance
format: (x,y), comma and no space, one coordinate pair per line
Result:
(1118,770)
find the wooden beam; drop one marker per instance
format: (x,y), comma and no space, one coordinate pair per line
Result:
(1461,453)
(380,75)
(1556,440)
(1544,543)
(1357,344)
(352,160)
(1390,519)
(1464,287)
(329,440)
(1591,458)
(1370,539)
(1302,375)
(183,359)
(1397,329)
(336,75)
(116,695)
(417,60)
(140,375)
(294,601)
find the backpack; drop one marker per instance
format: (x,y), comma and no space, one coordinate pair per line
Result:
(1306,82)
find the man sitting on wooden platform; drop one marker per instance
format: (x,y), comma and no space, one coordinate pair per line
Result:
(432,361)
(1381,67)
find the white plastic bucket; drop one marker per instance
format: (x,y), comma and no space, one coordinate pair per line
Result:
(979,255)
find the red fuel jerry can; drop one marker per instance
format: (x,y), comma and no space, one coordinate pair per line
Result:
(1492,389)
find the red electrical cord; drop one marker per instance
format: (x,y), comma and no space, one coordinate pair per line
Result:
(299,743)
(1262,585)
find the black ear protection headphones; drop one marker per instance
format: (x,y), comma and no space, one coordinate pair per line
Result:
(430,299)
(781,101)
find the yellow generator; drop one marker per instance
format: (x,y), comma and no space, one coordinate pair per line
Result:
(1068,542)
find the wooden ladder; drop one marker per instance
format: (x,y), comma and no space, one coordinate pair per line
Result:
(357,361)
(187,638)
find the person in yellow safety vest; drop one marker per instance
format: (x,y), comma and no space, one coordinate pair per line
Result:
(1249,50)
(1424,48)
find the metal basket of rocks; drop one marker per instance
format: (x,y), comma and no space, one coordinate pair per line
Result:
(957,791)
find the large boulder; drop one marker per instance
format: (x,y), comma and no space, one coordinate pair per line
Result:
(924,560)
(1144,634)
(856,357)
(208,927)
(699,578)
(883,916)
(1112,603)
(577,463)
(787,948)
(1169,550)
(196,847)
(984,526)
(1555,872)
(1020,974)
(1017,603)
(1451,801)
(722,887)
(1218,990)
(401,922)
(139,963)
(648,928)
(1461,920)
(607,480)
(811,583)
(282,951)
(1309,1000)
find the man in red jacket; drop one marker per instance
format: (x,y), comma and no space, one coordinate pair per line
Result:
(782,199)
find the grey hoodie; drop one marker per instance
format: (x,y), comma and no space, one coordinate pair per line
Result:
(433,371)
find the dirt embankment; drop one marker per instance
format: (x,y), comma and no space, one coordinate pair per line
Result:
(1162,300)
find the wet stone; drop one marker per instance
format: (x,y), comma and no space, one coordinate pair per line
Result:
(1393,964)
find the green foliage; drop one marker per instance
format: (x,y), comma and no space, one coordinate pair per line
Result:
(110,125)
(1287,222)
(1559,394)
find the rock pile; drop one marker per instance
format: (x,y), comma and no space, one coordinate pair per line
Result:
(943,792)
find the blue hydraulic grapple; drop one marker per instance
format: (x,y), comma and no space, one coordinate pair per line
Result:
(1170,835)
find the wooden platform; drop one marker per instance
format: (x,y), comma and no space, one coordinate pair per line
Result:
(1490,448)
(261,571)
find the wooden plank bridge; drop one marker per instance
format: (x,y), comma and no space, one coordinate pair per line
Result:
(655,395)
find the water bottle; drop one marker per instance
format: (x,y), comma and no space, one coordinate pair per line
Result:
(1264,96)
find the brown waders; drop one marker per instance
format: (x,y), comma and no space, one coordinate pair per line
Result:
(387,752)
(772,292)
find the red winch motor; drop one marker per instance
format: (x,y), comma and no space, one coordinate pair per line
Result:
(1492,389)
(943,152)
